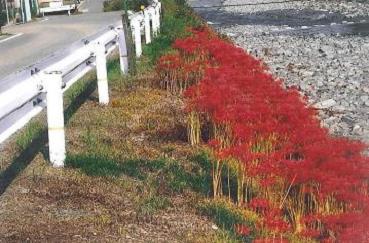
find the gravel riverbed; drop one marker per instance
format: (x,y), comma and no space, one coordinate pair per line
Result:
(320,47)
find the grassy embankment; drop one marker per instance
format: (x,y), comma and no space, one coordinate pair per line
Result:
(130,174)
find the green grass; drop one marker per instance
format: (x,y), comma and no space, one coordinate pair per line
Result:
(77,94)
(31,131)
(94,166)
(226,237)
(177,178)
(227,215)
(78,87)
(176,18)
(152,204)
(97,165)
(114,73)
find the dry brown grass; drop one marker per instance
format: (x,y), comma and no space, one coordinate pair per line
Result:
(66,205)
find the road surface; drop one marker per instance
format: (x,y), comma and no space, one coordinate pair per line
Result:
(39,39)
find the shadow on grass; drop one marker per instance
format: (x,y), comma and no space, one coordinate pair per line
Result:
(21,162)
(170,177)
(30,150)
(176,177)
(93,165)
(227,215)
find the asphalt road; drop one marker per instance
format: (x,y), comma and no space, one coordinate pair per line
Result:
(207,9)
(41,38)
(204,3)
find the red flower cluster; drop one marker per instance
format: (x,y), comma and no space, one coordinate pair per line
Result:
(282,150)
(242,229)
(271,240)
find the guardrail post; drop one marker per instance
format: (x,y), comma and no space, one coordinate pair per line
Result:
(158,11)
(137,33)
(129,43)
(55,118)
(123,51)
(154,21)
(147,26)
(102,74)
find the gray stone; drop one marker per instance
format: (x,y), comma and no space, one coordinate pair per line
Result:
(357,129)
(325,104)
(364,98)
(348,120)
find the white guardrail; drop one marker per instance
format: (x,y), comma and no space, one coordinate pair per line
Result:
(25,94)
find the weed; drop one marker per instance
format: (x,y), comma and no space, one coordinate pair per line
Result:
(77,94)
(79,87)
(31,131)
(152,204)
(177,178)
(114,72)
(140,168)
(97,165)
(227,216)
(226,237)
(93,165)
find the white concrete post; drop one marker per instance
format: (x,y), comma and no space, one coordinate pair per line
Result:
(102,74)
(158,12)
(55,118)
(27,11)
(137,34)
(159,3)
(147,26)
(154,21)
(123,53)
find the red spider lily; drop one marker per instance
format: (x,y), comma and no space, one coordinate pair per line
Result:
(259,204)
(271,240)
(242,230)
(311,233)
